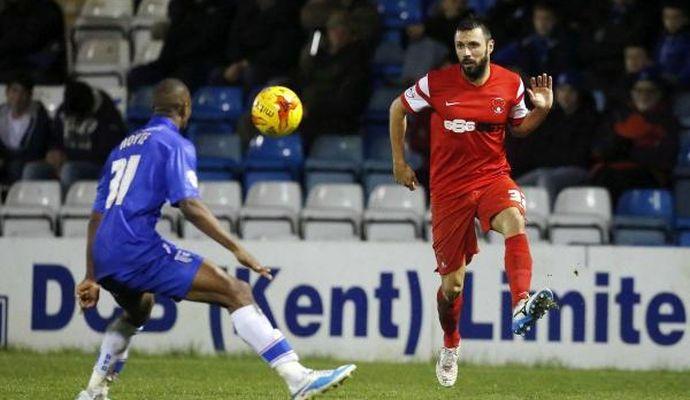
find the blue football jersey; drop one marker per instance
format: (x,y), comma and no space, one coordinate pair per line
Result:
(152,165)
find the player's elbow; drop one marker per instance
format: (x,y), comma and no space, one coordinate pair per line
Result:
(191,209)
(396,107)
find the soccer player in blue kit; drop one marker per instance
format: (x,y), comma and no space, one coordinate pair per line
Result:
(127,257)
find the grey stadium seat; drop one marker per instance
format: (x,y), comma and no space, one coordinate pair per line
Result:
(271,211)
(50,96)
(581,216)
(333,212)
(168,222)
(103,19)
(30,208)
(538,210)
(224,199)
(74,214)
(103,62)
(148,52)
(394,213)
(149,13)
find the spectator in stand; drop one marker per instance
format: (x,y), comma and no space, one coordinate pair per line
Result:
(263,43)
(557,154)
(421,55)
(334,82)
(443,22)
(192,46)
(24,129)
(32,40)
(363,16)
(673,49)
(639,143)
(509,19)
(550,48)
(87,127)
(636,58)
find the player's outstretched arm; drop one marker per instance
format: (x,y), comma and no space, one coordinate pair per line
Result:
(88,290)
(541,95)
(198,214)
(402,172)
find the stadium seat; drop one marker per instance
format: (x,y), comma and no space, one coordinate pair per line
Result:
(50,96)
(373,180)
(102,62)
(224,199)
(148,14)
(271,211)
(336,153)
(379,157)
(219,153)
(103,19)
(283,154)
(400,13)
(380,102)
(140,107)
(30,209)
(394,213)
(148,52)
(682,169)
(38,171)
(538,211)
(684,239)
(682,210)
(314,178)
(252,177)
(74,214)
(208,128)
(73,171)
(167,225)
(333,212)
(217,103)
(643,217)
(581,216)
(388,57)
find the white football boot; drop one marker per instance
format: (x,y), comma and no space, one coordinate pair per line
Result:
(84,395)
(447,366)
(530,309)
(317,382)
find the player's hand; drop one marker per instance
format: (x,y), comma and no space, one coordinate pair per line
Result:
(248,260)
(404,175)
(88,292)
(541,91)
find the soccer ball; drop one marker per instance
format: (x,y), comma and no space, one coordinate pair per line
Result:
(277,111)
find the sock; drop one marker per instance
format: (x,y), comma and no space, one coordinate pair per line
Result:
(113,353)
(449,315)
(255,329)
(518,264)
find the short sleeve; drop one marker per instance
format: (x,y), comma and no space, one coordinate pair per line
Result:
(417,97)
(182,182)
(519,109)
(102,189)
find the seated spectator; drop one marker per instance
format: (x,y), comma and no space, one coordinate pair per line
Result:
(550,48)
(32,40)
(362,14)
(263,43)
(421,55)
(636,58)
(673,49)
(557,154)
(87,127)
(335,82)
(24,129)
(443,22)
(639,143)
(193,44)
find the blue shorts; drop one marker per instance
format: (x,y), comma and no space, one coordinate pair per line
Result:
(169,275)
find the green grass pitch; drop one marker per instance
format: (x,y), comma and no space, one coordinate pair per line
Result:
(30,375)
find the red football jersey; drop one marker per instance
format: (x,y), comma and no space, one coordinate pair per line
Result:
(468,126)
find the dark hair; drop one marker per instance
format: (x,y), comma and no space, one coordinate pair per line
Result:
(78,98)
(677,4)
(472,22)
(23,79)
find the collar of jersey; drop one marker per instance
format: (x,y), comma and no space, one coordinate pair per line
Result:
(161,120)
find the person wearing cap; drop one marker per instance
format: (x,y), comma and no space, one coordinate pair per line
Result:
(638,145)
(557,154)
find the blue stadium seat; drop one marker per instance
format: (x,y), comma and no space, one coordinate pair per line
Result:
(252,177)
(341,153)
(217,103)
(643,217)
(682,196)
(371,181)
(380,103)
(197,128)
(219,156)
(400,13)
(275,154)
(379,157)
(683,163)
(314,178)
(140,106)
(73,171)
(684,239)
(388,57)
(38,171)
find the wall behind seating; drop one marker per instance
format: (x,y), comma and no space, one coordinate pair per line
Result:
(621,307)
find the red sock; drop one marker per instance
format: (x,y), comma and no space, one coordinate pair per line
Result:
(518,266)
(449,315)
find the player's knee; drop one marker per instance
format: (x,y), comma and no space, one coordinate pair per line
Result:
(239,293)
(512,221)
(453,292)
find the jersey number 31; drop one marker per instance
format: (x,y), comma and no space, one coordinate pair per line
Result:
(123,171)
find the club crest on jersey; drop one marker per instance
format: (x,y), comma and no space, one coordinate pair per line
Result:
(498,105)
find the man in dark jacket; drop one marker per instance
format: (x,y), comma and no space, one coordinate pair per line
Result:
(24,129)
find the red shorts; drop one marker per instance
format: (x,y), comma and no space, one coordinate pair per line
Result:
(452,221)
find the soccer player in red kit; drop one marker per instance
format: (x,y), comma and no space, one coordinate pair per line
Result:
(471,104)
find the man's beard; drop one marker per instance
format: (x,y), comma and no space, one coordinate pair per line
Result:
(474,72)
